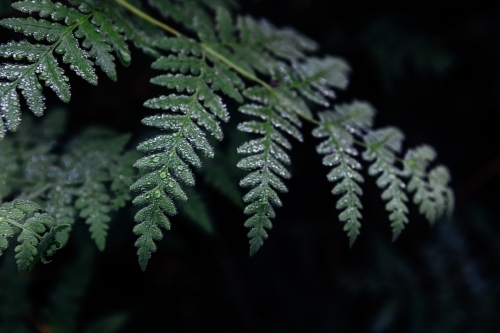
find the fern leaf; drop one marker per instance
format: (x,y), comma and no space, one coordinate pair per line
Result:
(23,49)
(382,146)
(438,180)
(113,37)
(96,43)
(416,163)
(225,26)
(170,156)
(32,238)
(38,29)
(338,128)
(46,8)
(93,203)
(54,77)
(267,159)
(77,58)
(92,20)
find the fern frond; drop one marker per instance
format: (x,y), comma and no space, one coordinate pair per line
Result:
(40,62)
(431,187)
(93,203)
(171,155)
(339,128)
(382,144)
(267,159)
(90,179)
(36,238)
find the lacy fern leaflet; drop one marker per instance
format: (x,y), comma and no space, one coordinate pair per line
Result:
(39,63)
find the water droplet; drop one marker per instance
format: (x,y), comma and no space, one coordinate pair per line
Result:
(18,29)
(157,194)
(156,159)
(170,184)
(163,175)
(59,51)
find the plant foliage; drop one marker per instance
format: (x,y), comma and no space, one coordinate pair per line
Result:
(273,74)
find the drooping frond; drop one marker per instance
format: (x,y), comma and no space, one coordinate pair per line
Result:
(76,36)
(194,107)
(339,128)
(267,159)
(382,145)
(430,188)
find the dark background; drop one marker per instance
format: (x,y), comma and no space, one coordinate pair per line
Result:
(431,68)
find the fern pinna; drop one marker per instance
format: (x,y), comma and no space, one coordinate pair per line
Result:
(271,73)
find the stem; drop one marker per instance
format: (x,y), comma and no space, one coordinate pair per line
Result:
(22,227)
(148,18)
(213,52)
(231,64)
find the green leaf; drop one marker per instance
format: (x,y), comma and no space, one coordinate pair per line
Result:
(46,8)
(382,145)
(338,128)
(225,26)
(266,161)
(93,204)
(54,78)
(98,48)
(38,29)
(30,238)
(77,58)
